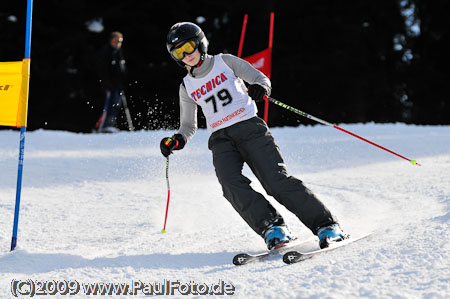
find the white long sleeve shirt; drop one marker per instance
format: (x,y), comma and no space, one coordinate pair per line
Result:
(217,86)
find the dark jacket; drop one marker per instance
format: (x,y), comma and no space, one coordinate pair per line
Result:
(112,68)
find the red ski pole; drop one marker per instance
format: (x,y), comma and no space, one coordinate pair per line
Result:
(304,114)
(168,190)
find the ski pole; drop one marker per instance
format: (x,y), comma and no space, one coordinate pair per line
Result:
(168,141)
(304,114)
(127,112)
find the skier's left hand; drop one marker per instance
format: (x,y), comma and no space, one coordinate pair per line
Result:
(176,142)
(256,92)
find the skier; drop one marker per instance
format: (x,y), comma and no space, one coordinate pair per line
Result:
(239,136)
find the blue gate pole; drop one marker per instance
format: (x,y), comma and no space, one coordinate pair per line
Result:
(18,188)
(23,129)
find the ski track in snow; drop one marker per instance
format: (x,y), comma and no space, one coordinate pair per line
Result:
(93,206)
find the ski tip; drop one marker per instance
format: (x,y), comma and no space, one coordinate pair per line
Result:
(163,231)
(241,259)
(292,257)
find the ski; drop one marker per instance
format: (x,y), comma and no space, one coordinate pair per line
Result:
(294,256)
(245,258)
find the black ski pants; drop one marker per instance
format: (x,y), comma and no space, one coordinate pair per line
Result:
(251,142)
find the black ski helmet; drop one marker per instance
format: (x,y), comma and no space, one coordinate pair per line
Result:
(185,31)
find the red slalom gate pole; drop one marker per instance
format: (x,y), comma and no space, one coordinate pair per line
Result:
(241,41)
(266,103)
(304,114)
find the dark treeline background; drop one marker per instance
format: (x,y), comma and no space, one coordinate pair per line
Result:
(343,61)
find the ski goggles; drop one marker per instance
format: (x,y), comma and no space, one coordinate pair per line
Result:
(117,39)
(179,52)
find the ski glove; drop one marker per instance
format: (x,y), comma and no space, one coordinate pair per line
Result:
(256,92)
(168,144)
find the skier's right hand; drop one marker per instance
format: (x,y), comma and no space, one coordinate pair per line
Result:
(176,142)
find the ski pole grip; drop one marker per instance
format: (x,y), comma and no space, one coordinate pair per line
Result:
(168,141)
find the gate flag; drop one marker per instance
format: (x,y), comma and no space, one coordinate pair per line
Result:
(14,82)
(261,61)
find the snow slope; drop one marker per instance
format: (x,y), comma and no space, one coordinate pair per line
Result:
(93,208)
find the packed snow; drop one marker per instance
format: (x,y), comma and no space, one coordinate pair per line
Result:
(93,206)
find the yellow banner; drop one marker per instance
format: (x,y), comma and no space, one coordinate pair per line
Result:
(14,82)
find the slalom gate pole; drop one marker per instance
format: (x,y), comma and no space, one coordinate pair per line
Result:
(241,41)
(18,188)
(304,114)
(168,194)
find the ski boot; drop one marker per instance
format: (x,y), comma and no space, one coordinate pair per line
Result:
(330,234)
(276,236)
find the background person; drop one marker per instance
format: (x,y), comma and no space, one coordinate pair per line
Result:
(112,72)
